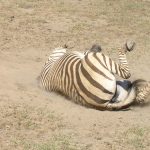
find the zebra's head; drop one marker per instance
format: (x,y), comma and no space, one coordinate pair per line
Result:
(142,90)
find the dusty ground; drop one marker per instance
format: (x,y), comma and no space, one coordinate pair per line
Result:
(32,119)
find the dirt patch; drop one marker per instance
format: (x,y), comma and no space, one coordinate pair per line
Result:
(34,119)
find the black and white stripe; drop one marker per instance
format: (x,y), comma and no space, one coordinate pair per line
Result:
(87,78)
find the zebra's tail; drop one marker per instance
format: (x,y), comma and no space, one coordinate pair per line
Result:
(138,93)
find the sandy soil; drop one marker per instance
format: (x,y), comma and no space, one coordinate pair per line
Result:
(32,119)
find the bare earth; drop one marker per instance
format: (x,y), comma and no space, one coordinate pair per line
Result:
(32,119)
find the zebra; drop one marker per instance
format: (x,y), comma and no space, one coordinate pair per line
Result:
(88,79)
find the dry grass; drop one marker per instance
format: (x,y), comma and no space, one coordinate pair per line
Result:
(135,137)
(23,116)
(20,122)
(33,128)
(56,142)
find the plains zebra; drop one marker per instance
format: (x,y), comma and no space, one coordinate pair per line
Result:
(87,79)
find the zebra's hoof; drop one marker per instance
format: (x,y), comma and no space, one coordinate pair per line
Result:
(129,45)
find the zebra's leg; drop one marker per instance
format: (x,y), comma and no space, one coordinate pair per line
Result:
(127,94)
(123,68)
(125,102)
(122,90)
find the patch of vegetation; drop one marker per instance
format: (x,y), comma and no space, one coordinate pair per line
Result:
(59,142)
(136,138)
(23,124)
(80,27)
(127,13)
(63,7)
(55,142)
(23,116)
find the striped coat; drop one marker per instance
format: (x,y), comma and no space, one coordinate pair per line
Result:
(86,79)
